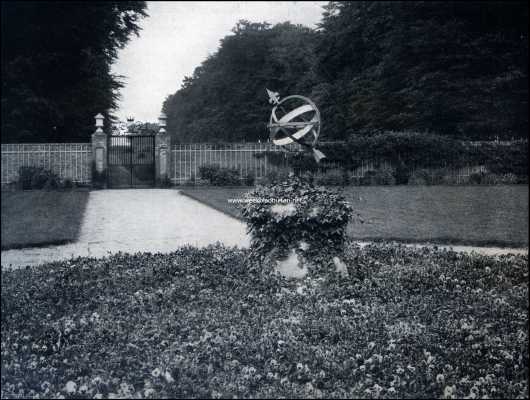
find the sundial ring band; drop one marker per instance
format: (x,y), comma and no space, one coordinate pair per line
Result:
(276,124)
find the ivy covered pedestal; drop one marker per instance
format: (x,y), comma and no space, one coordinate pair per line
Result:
(297,228)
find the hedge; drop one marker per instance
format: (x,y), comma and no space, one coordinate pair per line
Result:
(413,150)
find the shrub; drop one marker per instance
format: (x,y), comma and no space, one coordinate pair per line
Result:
(522,179)
(299,162)
(368,178)
(488,178)
(307,176)
(250,178)
(68,184)
(274,176)
(385,176)
(451,179)
(208,171)
(314,215)
(423,150)
(420,177)
(331,177)
(380,176)
(401,173)
(441,176)
(476,178)
(219,176)
(165,182)
(25,177)
(352,179)
(302,162)
(500,158)
(37,178)
(437,176)
(52,183)
(508,179)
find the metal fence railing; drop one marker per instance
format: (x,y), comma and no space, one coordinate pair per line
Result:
(73,161)
(67,160)
(186,159)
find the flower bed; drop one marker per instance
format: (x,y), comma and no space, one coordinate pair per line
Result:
(201,322)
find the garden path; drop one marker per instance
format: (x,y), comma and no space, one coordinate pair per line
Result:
(133,220)
(154,220)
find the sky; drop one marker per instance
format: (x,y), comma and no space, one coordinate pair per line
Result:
(177,36)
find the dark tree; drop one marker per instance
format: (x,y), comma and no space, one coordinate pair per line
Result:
(225,99)
(56,59)
(454,68)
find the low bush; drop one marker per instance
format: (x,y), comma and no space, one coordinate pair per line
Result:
(412,150)
(37,178)
(203,323)
(250,179)
(505,179)
(489,178)
(368,178)
(380,176)
(331,177)
(424,150)
(420,177)
(437,176)
(68,183)
(402,173)
(385,176)
(353,179)
(25,177)
(476,178)
(219,176)
(166,182)
(299,162)
(52,184)
(208,171)
(274,176)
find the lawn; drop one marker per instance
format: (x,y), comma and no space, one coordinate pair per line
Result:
(406,323)
(472,215)
(38,218)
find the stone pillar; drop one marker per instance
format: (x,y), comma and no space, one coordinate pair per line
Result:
(99,153)
(162,153)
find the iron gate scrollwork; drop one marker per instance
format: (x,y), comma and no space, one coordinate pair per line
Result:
(131,161)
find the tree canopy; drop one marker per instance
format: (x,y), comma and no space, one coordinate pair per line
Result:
(225,99)
(56,59)
(452,68)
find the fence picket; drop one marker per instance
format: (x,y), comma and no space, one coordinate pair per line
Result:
(64,159)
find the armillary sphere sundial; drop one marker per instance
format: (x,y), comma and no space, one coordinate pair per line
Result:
(295,119)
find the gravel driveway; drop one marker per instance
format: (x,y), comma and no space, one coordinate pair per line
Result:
(132,220)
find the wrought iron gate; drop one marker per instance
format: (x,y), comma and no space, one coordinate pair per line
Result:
(131,161)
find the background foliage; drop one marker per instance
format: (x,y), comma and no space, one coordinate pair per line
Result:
(56,60)
(458,69)
(225,99)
